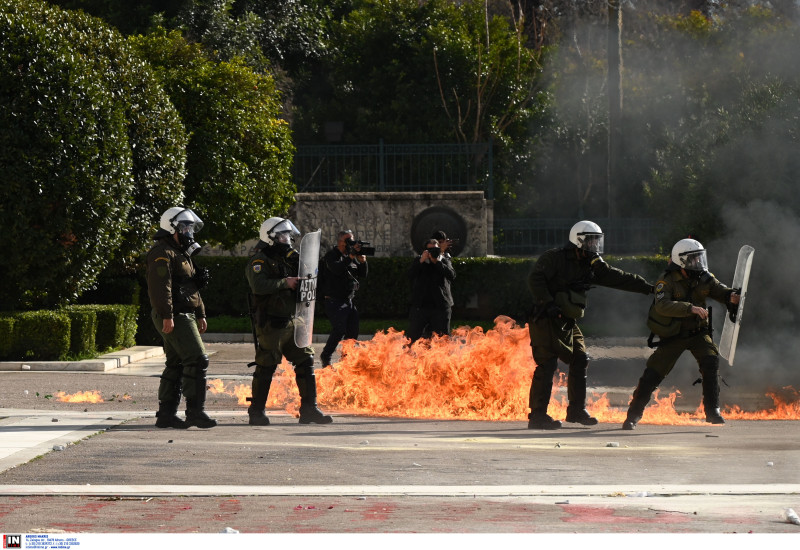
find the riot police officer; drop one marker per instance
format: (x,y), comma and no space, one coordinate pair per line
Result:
(679,318)
(559,281)
(173,285)
(272,275)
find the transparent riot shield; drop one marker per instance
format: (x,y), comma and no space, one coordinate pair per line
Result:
(307,289)
(730,330)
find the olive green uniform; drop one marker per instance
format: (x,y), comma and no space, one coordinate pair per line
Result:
(275,306)
(679,330)
(562,277)
(174,295)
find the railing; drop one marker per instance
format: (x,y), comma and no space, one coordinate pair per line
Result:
(386,167)
(524,237)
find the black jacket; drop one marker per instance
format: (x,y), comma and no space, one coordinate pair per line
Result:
(431,283)
(341,275)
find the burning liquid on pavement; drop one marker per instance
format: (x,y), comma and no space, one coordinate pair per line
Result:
(92,396)
(471,375)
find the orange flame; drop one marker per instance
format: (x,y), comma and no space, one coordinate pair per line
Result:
(92,396)
(474,375)
(283,392)
(470,375)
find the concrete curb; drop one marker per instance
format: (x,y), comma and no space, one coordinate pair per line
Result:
(403,490)
(106,362)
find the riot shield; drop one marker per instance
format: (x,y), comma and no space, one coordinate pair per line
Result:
(307,289)
(730,330)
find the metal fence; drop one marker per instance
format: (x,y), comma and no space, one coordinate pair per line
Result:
(532,236)
(386,167)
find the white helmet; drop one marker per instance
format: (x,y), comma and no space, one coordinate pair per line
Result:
(587,236)
(278,231)
(186,223)
(690,255)
(179,215)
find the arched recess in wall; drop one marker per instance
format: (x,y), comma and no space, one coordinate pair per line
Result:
(439,218)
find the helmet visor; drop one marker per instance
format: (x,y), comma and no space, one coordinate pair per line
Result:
(591,242)
(695,260)
(189,219)
(284,226)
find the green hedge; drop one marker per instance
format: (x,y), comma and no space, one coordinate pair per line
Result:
(6,336)
(83,334)
(41,335)
(484,287)
(72,332)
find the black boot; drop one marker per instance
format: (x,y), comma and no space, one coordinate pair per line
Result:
(709,369)
(576,393)
(539,398)
(195,415)
(262,380)
(641,396)
(307,386)
(167,417)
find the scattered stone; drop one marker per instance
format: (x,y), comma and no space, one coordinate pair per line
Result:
(58,447)
(229,530)
(791,516)
(26,367)
(612,444)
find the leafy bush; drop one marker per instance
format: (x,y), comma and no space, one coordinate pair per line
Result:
(84,130)
(83,331)
(240,151)
(6,335)
(41,335)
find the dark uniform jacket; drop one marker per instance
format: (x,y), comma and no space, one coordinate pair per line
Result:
(676,294)
(431,283)
(170,283)
(266,274)
(560,276)
(341,279)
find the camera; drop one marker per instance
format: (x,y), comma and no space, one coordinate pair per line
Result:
(435,251)
(365,248)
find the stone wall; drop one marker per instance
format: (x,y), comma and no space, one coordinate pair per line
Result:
(398,223)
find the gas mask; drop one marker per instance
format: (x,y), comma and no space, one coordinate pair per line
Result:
(185,231)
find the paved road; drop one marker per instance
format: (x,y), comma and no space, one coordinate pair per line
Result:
(117,473)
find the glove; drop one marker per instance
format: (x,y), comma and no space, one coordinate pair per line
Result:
(552,311)
(201,277)
(733,309)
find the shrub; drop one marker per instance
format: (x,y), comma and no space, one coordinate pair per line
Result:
(41,335)
(83,332)
(84,129)
(6,335)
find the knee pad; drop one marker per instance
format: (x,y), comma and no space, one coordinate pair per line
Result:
(202,363)
(306,368)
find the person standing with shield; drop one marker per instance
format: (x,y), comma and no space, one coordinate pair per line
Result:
(680,318)
(272,274)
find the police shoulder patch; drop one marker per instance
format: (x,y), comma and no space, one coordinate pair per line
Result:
(256,268)
(660,286)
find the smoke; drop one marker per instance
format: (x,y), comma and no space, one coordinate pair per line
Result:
(768,345)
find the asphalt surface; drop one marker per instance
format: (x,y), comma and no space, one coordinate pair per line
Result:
(105,468)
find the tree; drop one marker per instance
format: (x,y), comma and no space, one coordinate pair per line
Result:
(76,103)
(240,151)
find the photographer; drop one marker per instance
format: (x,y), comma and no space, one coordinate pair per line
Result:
(431,301)
(344,264)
